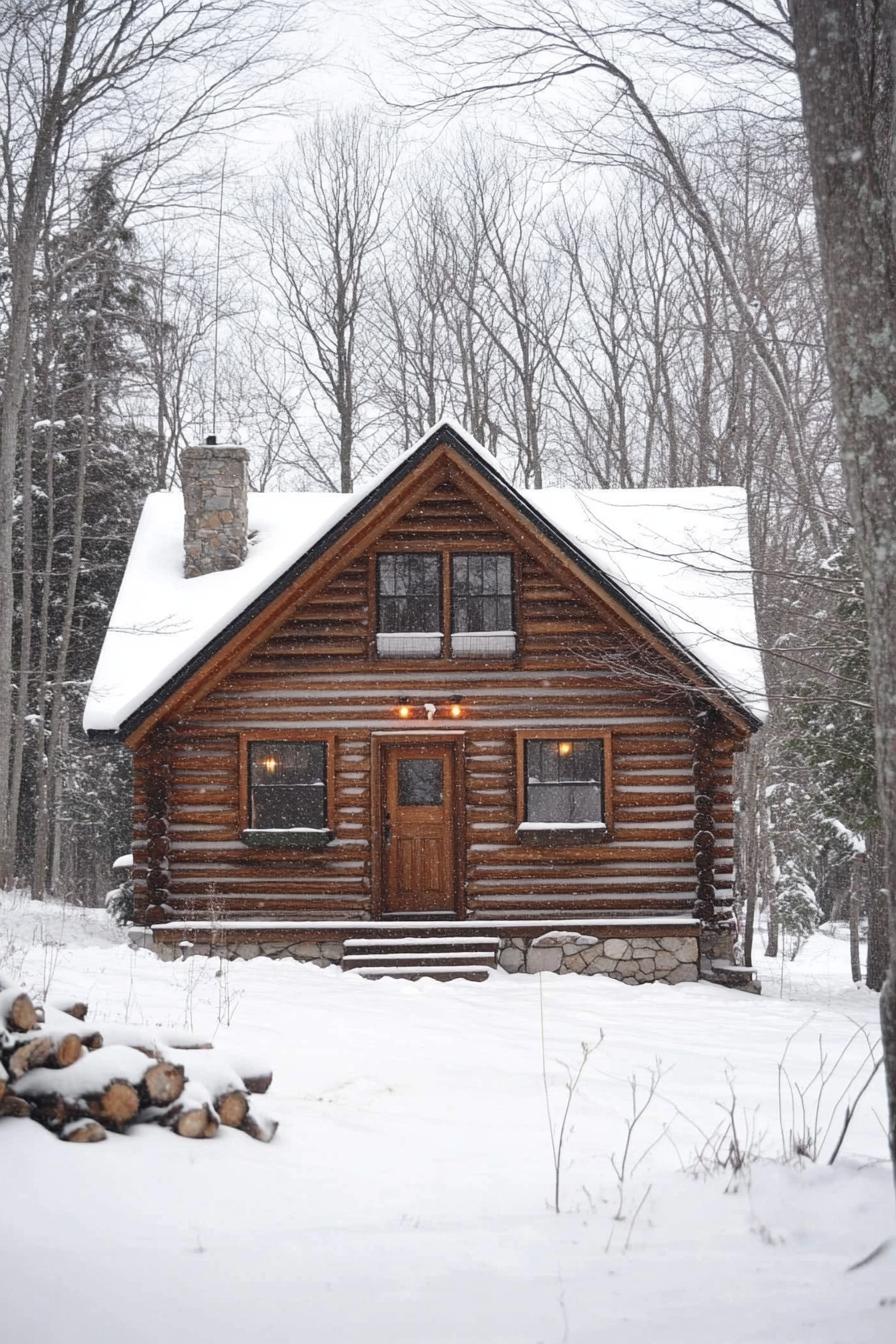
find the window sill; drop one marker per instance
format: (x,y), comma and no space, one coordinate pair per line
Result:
(299,837)
(561,835)
(422,645)
(484,644)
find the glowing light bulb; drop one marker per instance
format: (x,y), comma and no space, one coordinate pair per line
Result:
(271,764)
(456,710)
(564,748)
(404,711)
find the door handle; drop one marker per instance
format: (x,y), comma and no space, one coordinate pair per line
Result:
(387,829)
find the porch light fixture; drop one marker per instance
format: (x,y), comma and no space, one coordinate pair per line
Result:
(455,708)
(404,709)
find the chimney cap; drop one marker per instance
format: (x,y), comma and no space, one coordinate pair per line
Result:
(198,452)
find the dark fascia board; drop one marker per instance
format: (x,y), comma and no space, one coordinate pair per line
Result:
(444,434)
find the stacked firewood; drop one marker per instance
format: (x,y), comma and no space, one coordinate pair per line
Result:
(80,1079)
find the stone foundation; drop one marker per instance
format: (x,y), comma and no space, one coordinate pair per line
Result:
(634,961)
(327,953)
(719,942)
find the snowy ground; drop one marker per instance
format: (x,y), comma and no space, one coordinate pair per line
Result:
(407,1197)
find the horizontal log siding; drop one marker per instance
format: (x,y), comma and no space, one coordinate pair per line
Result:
(316,671)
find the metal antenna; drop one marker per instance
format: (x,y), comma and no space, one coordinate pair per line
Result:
(217,303)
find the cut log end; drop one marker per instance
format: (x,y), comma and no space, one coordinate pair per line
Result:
(162,1084)
(115,1106)
(232,1108)
(20,1013)
(77,1009)
(82,1131)
(14,1108)
(196,1122)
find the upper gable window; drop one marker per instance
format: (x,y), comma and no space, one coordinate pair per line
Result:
(409,606)
(482,605)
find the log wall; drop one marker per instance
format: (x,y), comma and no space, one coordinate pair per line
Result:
(576,667)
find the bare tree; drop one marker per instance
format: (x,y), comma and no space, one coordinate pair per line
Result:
(320,229)
(844,55)
(522,298)
(507,50)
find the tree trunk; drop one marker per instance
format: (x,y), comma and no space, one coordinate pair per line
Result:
(767,869)
(878,955)
(23,244)
(20,725)
(856,883)
(859,274)
(747,857)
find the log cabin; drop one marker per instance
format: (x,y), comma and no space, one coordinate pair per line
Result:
(439,725)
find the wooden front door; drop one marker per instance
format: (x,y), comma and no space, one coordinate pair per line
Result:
(418,827)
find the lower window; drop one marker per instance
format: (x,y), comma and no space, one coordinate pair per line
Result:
(564,782)
(287,786)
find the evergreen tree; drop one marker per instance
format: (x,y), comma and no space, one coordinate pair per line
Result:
(826,805)
(91,468)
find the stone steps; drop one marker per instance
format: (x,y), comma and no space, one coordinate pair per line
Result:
(445,957)
(718,971)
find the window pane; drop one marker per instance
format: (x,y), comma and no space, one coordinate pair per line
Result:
(288,806)
(288,784)
(409,597)
(563,803)
(564,780)
(577,761)
(482,593)
(419,783)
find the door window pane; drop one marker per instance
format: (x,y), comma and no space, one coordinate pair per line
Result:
(288,785)
(419,782)
(564,780)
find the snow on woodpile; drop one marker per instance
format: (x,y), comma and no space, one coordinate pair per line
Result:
(79,1078)
(681,555)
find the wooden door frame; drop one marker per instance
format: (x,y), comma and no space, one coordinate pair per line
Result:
(379,742)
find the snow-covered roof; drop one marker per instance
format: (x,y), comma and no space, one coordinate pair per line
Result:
(681,556)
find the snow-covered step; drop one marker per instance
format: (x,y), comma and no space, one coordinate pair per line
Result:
(435,940)
(417,972)
(443,956)
(352,961)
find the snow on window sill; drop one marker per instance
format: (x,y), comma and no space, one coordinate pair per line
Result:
(558,833)
(416,644)
(483,644)
(295,837)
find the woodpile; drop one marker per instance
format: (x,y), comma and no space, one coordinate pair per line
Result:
(82,1079)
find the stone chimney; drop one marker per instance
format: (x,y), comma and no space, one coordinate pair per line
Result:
(215,482)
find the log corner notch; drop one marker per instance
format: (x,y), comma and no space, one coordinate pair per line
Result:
(704,820)
(156,764)
(718,934)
